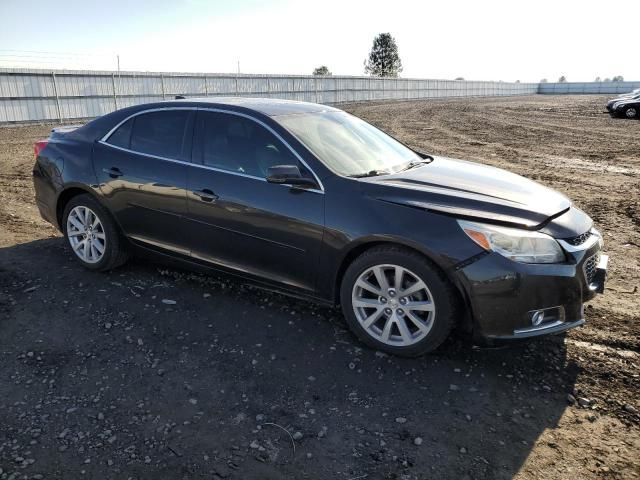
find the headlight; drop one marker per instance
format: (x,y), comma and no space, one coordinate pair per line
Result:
(515,244)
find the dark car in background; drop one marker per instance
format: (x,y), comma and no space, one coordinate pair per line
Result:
(625,106)
(316,202)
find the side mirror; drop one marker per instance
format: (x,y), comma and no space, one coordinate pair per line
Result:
(289,175)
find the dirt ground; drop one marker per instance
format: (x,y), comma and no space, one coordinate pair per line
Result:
(102,379)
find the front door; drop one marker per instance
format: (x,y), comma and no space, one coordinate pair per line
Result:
(239,220)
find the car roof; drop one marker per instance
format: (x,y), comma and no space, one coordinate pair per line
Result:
(267,106)
(270,107)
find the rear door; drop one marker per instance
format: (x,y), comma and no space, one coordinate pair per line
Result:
(142,170)
(237,219)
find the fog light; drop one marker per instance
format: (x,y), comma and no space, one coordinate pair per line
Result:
(537,318)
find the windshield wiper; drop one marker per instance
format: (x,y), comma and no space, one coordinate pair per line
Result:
(416,163)
(371,173)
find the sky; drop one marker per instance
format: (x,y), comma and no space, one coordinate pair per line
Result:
(476,40)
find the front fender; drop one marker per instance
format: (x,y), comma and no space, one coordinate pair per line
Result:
(352,227)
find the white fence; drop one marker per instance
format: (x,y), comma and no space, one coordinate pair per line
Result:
(587,87)
(37,95)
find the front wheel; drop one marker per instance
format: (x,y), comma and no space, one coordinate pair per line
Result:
(92,234)
(631,112)
(396,301)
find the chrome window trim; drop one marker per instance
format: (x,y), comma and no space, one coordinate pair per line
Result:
(141,112)
(182,162)
(105,138)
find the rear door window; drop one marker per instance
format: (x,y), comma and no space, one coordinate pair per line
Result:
(161,133)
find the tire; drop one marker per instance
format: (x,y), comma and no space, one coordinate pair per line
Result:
(630,112)
(361,285)
(106,235)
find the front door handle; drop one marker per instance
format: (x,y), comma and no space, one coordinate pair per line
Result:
(206,195)
(113,172)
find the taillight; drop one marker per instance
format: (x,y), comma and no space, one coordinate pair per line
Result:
(39,146)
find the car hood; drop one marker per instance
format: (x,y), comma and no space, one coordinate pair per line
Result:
(624,98)
(470,190)
(626,101)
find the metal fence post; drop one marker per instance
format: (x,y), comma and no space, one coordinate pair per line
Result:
(115,96)
(55,91)
(162,84)
(206,89)
(315,87)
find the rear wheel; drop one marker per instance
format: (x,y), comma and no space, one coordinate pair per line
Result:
(92,235)
(396,301)
(631,112)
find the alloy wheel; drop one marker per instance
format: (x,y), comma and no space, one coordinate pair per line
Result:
(86,234)
(393,305)
(631,112)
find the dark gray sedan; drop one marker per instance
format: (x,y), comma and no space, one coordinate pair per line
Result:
(315,202)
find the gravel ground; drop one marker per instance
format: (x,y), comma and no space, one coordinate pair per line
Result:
(154,372)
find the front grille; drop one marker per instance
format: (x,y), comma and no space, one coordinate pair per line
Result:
(579,240)
(590,267)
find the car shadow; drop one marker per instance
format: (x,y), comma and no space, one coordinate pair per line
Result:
(150,372)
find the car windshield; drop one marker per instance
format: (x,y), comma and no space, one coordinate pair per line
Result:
(347,145)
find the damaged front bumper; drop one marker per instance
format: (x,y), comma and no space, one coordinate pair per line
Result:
(511,300)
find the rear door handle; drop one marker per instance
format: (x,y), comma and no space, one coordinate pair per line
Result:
(113,172)
(206,195)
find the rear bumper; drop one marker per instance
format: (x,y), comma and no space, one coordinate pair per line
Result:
(46,213)
(504,296)
(45,197)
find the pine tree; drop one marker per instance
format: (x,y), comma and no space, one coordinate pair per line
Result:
(383,60)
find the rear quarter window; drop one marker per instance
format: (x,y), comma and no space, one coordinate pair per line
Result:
(122,136)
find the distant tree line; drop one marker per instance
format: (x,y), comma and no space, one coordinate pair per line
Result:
(384,61)
(563,79)
(617,78)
